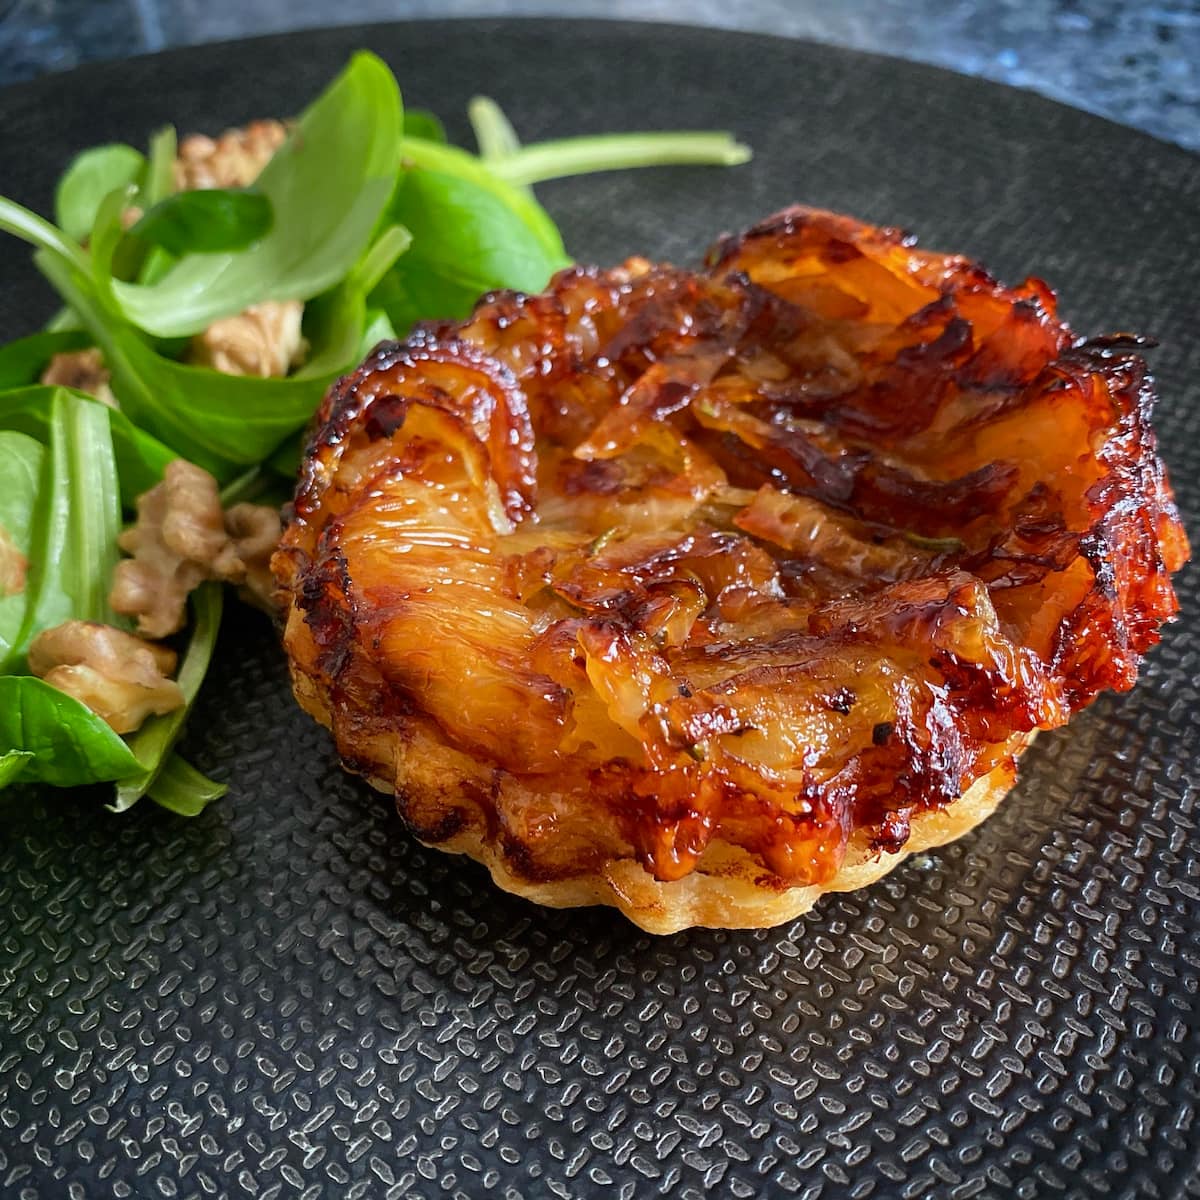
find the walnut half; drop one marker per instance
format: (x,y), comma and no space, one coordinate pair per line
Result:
(255,530)
(181,538)
(232,160)
(265,340)
(83,370)
(179,541)
(121,678)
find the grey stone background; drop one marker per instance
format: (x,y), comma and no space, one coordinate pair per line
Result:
(1133,61)
(289,995)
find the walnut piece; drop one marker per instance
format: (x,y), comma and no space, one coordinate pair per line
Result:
(265,340)
(181,538)
(255,530)
(232,160)
(121,678)
(178,541)
(83,370)
(13,565)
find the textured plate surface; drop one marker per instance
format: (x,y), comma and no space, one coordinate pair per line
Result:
(288,996)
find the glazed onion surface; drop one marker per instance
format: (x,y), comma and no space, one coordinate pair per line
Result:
(703,592)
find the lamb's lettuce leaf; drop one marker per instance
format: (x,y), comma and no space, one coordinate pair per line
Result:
(327,186)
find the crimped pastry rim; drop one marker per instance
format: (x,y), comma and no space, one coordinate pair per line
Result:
(732,899)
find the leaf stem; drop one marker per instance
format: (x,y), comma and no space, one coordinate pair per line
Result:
(378,260)
(617,151)
(159,173)
(496,137)
(29,227)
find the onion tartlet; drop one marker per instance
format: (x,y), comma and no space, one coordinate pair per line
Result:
(702,593)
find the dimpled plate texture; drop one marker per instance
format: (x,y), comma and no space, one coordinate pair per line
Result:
(289,997)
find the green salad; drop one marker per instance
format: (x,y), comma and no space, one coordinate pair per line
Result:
(362,221)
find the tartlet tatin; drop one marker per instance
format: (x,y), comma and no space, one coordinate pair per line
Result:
(702,593)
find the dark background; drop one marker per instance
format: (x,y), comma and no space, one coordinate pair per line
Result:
(1136,62)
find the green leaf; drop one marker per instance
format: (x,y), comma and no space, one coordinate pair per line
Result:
(158,184)
(69,745)
(206,221)
(421,123)
(21,467)
(333,326)
(108,234)
(223,423)
(73,547)
(23,361)
(378,328)
(63,321)
(140,458)
(327,185)
(11,766)
(81,440)
(184,790)
(89,178)
(334,323)
(450,160)
(466,240)
(135,257)
(151,745)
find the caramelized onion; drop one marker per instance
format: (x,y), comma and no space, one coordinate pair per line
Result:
(665,580)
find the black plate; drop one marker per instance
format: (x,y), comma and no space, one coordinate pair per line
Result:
(288,996)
